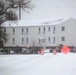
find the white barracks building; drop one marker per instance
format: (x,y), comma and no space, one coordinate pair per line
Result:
(53,33)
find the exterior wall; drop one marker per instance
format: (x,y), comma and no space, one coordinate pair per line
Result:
(69,33)
(33,35)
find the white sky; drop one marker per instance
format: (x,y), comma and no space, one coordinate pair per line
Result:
(51,9)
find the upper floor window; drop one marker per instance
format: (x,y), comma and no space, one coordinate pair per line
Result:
(26,29)
(54,29)
(13,30)
(39,29)
(22,30)
(44,29)
(48,28)
(63,28)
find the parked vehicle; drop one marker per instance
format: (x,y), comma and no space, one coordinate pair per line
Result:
(25,51)
(46,50)
(1,50)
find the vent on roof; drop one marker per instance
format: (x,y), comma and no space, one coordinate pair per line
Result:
(46,22)
(59,19)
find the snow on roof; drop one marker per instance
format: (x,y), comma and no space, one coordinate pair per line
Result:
(53,22)
(33,22)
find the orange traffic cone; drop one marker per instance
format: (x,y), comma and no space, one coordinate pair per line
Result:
(38,52)
(54,52)
(42,51)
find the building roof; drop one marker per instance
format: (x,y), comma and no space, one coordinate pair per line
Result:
(20,23)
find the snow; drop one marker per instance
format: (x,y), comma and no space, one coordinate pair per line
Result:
(47,64)
(39,22)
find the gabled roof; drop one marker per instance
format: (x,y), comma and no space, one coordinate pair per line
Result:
(34,22)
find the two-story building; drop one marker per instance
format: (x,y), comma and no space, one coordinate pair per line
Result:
(48,33)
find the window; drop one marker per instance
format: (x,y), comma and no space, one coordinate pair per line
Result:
(48,28)
(22,40)
(54,29)
(4,41)
(63,28)
(26,40)
(39,41)
(62,38)
(39,29)
(13,40)
(44,29)
(53,39)
(13,30)
(5,30)
(48,38)
(27,30)
(22,30)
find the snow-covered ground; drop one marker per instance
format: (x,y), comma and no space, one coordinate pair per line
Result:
(47,64)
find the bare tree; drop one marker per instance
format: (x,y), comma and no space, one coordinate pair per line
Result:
(8,10)
(34,44)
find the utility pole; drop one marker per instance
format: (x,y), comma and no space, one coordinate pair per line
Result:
(19,10)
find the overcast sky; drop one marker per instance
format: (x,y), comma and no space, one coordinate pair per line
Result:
(51,9)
